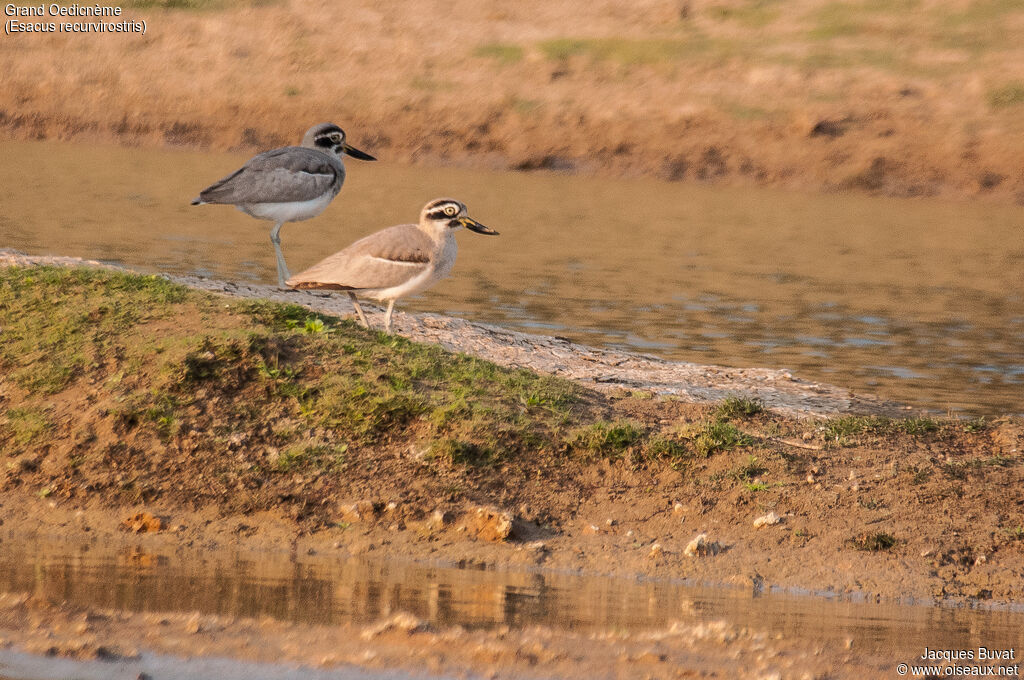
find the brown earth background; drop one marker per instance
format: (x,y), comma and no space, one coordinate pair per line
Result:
(905,98)
(912,98)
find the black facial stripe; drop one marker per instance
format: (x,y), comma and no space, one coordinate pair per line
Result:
(324,142)
(438,215)
(454,223)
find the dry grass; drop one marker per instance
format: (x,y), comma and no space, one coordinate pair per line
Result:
(731,90)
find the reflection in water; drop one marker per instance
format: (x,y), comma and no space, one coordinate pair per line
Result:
(317,590)
(919,301)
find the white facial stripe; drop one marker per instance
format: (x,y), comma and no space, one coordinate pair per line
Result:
(384,259)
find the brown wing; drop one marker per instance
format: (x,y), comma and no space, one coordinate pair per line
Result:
(384,259)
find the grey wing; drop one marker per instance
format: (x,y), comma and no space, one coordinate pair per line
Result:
(382,260)
(286,175)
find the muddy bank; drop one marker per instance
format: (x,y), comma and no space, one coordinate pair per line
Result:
(242,408)
(810,96)
(155,419)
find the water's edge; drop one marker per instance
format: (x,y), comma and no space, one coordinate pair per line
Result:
(601,369)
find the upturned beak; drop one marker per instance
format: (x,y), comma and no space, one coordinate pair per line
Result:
(473,225)
(356,153)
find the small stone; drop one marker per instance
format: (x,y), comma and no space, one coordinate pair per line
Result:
(591,529)
(678,509)
(771,519)
(360,511)
(491,524)
(701,546)
(142,523)
(656,551)
(980,560)
(439,519)
(192,626)
(402,621)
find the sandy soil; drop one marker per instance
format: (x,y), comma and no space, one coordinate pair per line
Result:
(802,94)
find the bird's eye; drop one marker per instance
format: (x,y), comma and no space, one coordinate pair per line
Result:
(450,210)
(335,137)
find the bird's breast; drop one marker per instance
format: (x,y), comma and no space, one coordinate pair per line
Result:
(446,257)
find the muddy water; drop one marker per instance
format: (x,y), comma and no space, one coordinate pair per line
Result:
(919,301)
(322,590)
(21,666)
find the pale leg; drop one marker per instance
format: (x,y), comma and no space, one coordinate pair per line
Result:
(359,310)
(387,317)
(282,268)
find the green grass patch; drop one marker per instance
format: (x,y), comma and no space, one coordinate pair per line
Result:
(26,425)
(751,13)
(162,413)
(711,437)
(975,425)
(171,361)
(606,440)
(844,429)
(458,452)
(632,51)
(866,17)
(738,407)
(503,53)
(662,447)
(876,542)
(1011,94)
(311,455)
(59,323)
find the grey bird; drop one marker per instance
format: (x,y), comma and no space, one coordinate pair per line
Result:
(289,184)
(397,261)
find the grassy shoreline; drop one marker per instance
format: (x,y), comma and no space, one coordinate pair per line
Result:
(122,390)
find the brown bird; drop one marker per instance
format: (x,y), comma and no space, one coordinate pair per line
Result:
(396,261)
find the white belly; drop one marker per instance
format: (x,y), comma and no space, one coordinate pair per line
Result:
(288,212)
(417,284)
(441,267)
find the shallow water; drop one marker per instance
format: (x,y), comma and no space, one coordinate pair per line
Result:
(329,590)
(920,301)
(21,666)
